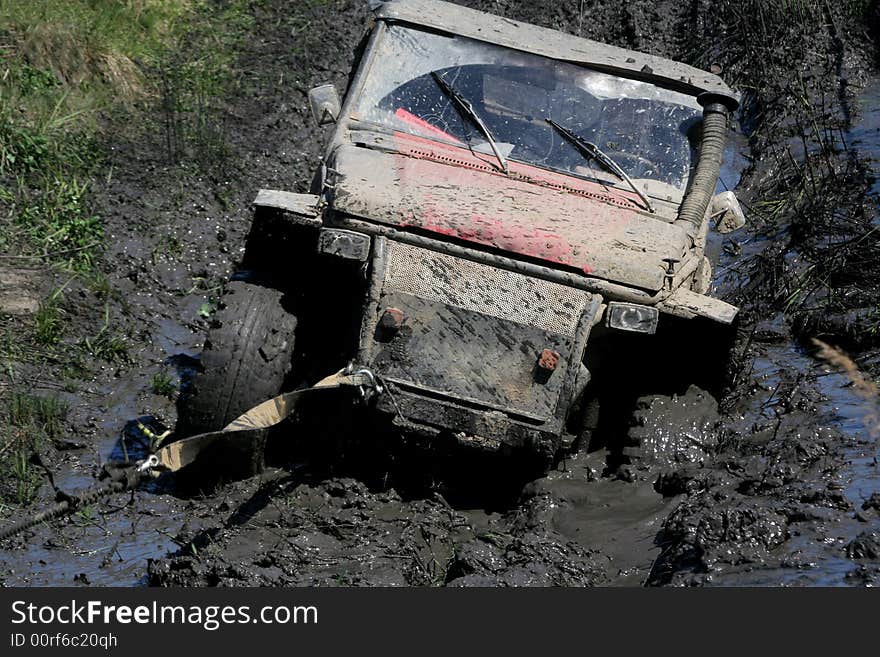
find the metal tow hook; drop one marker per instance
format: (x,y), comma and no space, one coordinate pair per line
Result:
(148,464)
(670,270)
(372,385)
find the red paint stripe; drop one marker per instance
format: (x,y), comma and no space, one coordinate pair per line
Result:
(412,119)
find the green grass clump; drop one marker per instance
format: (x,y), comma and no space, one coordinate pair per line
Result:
(45,414)
(58,225)
(163,385)
(48,325)
(107,345)
(92,42)
(28,423)
(49,320)
(60,64)
(23,149)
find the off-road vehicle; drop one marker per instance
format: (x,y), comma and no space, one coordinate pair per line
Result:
(509,223)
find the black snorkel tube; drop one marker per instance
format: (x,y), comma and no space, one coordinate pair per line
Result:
(716,113)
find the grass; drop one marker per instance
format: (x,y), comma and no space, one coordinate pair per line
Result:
(107,344)
(99,284)
(193,78)
(57,220)
(90,42)
(162,384)
(808,193)
(61,63)
(28,424)
(68,70)
(48,325)
(45,414)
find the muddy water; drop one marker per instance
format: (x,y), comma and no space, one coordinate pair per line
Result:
(815,553)
(865,134)
(620,518)
(856,417)
(109,543)
(853,415)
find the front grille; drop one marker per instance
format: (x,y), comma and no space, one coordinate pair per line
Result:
(484,289)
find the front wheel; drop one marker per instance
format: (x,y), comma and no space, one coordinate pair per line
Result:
(247,356)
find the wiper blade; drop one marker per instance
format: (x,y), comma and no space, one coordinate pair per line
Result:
(465,107)
(590,149)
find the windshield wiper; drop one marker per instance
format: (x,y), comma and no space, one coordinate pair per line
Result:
(590,150)
(465,107)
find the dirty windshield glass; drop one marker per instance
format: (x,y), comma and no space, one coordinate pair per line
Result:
(647,130)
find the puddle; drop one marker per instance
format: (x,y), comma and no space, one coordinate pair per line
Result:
(851,414)
(110,542)
(864,135)
(109,547)
(820,549)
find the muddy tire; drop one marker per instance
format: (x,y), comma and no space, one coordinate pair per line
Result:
(670,430)
(247,357)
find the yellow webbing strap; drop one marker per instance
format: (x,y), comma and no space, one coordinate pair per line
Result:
(179,454)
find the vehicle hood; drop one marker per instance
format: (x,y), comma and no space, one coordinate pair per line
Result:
(532,213)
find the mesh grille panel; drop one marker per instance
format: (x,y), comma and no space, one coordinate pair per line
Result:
(481,288)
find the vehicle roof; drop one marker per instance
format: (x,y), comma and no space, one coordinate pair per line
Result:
(455,19)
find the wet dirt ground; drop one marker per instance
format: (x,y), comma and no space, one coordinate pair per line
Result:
(790,495)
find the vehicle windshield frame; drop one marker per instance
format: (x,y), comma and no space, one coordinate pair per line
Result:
(388,37)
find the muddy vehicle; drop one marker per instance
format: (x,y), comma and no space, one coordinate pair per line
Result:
(508,230)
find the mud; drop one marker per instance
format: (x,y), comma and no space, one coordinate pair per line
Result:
(782,488)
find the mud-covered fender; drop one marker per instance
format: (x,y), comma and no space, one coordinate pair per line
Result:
(688,304)
(283,232)
(302,209)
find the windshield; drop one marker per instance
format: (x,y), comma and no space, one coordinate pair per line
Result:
(647,130)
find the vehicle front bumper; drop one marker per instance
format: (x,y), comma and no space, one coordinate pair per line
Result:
(490,356)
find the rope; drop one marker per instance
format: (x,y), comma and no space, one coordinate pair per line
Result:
(121,480)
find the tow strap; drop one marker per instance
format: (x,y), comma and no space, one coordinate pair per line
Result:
(177,455)
(181,453)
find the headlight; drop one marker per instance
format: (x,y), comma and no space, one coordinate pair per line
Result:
(632,317)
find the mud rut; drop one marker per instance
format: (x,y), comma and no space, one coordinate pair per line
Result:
(787,499)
